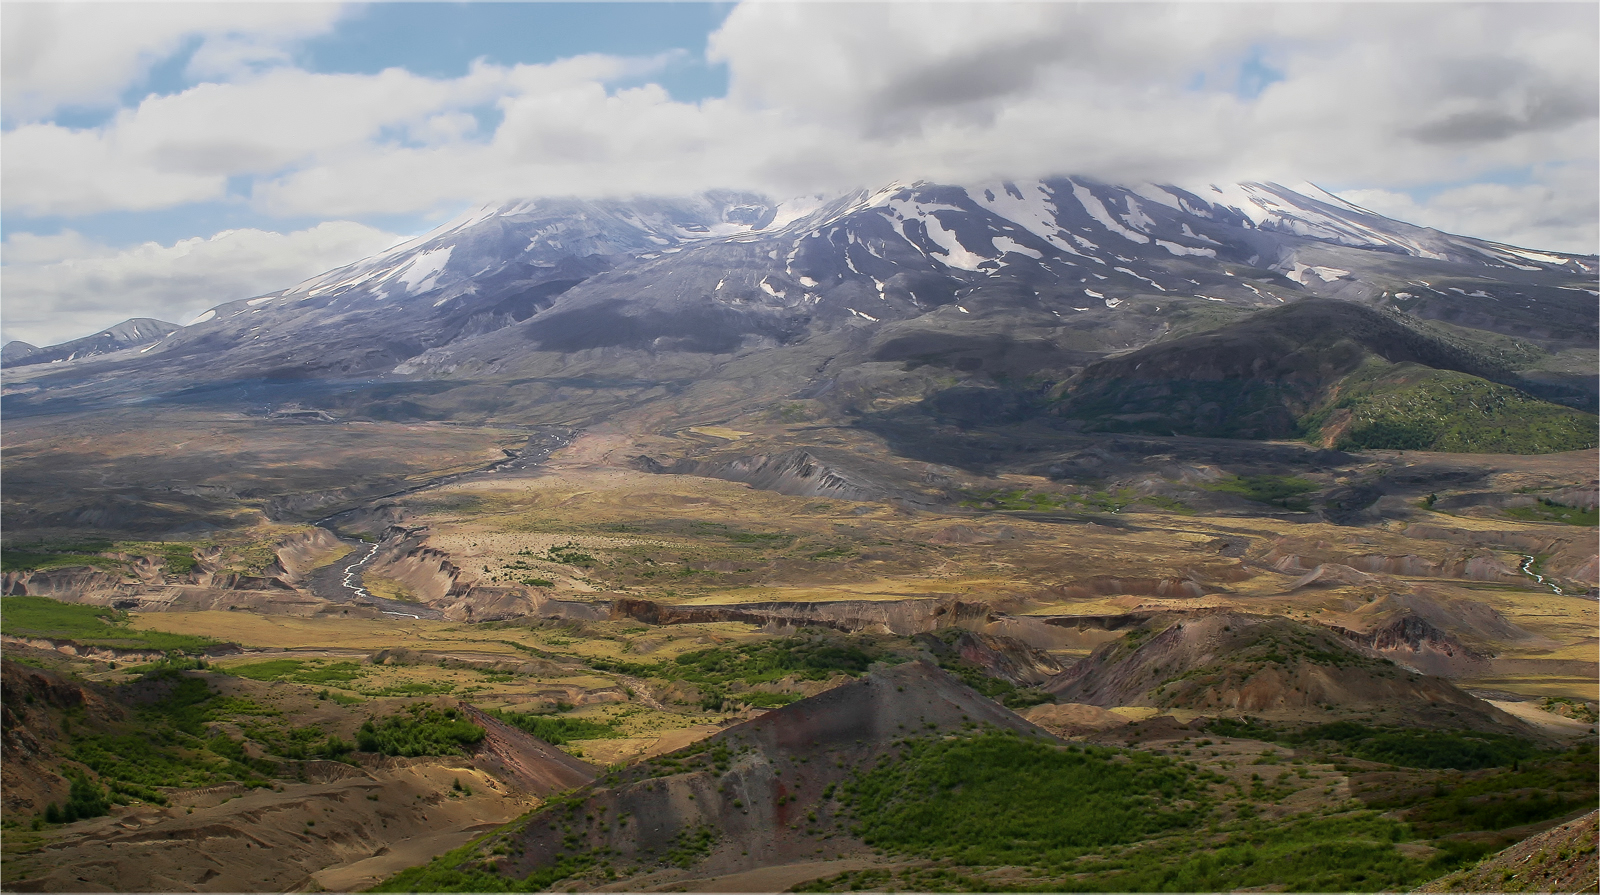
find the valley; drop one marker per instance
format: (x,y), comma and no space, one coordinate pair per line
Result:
(640,556)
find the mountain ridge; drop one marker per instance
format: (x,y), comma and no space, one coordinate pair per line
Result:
(600,292)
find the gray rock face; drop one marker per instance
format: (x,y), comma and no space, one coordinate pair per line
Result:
(917,268)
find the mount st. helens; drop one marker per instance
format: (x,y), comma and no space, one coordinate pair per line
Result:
(574,310)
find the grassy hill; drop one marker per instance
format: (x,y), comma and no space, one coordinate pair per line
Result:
(1334,372)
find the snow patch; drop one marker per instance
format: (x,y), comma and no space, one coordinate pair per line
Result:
(260,301)
(1099,212)
(1177,249)
(1006,244)
(423,271)
(209,315)
(1326,274)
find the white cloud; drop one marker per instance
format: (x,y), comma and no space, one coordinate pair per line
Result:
(86,54)
(1562,214)
(826,97)
(64,286)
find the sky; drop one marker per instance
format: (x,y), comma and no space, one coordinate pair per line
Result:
(157,159)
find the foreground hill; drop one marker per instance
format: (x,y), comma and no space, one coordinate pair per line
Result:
(1562,859)
(758,794)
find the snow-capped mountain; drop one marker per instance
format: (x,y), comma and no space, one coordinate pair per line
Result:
(731,273)
(127,334)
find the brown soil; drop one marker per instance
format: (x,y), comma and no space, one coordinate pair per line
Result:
(1563,859)
(1271,667)
(270,839)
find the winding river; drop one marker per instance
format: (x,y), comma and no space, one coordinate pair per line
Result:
(342,583)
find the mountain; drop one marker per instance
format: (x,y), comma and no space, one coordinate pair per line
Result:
(134,333)
(567,310)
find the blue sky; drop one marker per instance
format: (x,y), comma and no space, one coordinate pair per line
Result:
(161,159)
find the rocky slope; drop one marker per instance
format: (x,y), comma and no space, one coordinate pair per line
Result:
(1561,859)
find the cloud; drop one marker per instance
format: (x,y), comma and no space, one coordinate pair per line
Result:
(87,54)
(63,286)
(1562,214)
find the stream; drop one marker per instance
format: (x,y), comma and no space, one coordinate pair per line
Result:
(341,583)
(1527,569)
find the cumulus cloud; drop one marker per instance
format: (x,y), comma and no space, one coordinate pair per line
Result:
(1558,214)
(87,54)
(63,286)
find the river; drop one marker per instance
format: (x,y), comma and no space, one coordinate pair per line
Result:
(341,582)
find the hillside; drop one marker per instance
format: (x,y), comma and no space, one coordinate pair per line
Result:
(758,794)
(1233,663)
(1342,374)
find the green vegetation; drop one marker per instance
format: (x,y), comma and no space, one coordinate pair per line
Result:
(1278,490)
(80,623)
(557,731)
(299,671)
(1106,820)
(570,554)
(170,743)
(1528,791)
(1022,500)
(1408,407)
(1014,499)
(84,800)
(1576,709)
(419,731)
(1402,746)
(464,870)
(711,670)
(765,699)
(997,798)
(1547,510)
(43,557)
(300,743)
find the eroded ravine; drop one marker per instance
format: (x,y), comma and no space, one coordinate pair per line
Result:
(341,582)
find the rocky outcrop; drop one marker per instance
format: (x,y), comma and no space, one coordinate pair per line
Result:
(799,472)
(1413,642)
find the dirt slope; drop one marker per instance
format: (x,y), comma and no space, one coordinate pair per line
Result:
(1563,859)
(1231,663)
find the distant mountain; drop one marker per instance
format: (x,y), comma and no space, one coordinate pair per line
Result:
(570,310)
(134,333)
